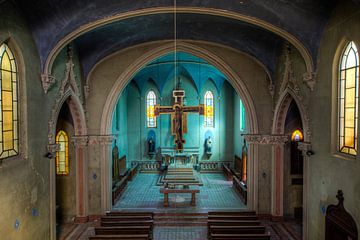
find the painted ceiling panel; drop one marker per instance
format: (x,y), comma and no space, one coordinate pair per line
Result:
(261,44)
(162,70)
(51,20)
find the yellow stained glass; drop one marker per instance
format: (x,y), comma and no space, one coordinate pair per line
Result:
(6,80)
(350,98)
(297,136)
(150,109)
(349,117)
(348,82)
(209,109)
(8,140)
(7,101)
(8,121)
(350,78)
(5,62)
(62,155)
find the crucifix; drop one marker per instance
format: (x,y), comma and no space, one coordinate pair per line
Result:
(179,116)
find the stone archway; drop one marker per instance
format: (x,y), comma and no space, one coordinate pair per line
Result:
(278,128)
(123,80)
(69,94)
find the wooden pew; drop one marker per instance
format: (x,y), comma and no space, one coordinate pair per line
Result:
(122,230)
(231,236)
(233,222)
(233,217)
(118,213)
(233,213)
(128,223)
(122,237)
(237,229)
(125,218)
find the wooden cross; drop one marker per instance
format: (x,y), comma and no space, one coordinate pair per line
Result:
(179,116)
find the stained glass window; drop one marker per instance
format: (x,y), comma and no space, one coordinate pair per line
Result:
(150,109)
(297,136)
(62,155)
(242,116)
(209,109)
(9,121)
(348,99)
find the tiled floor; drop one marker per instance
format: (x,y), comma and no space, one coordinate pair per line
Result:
(217,193)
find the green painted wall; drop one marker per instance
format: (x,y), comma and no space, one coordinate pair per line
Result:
(132,105)
(24,181)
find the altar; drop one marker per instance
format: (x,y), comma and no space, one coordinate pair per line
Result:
(187,157)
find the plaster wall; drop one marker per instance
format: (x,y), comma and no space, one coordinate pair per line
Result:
(65,184)
(330,171)
(24,179)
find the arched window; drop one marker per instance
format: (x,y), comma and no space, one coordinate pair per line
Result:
(209,109)
(150,109)
(297,136)
(62,155)
(348,99)
(242,116)
(9,121)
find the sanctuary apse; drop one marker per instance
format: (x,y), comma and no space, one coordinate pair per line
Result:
(274,85)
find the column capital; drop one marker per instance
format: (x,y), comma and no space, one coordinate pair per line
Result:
(53,148)
(263,139)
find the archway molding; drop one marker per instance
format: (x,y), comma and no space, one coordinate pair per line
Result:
(69,97)
(308,76)
(221,65)
(277,181)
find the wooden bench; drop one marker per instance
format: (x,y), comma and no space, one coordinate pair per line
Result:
(119,213)
(122,230)
(128,223)
(241,213)
(233,222)
(166,192)
(122,237)
(125,218)
(233,217)
(237,229)
(231,236)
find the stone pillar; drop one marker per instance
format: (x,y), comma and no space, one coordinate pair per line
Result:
(104,143)
(277,141)
(306,149)
(80,143)
(51,154)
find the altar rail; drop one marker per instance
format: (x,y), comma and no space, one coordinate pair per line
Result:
(147,166)
(206,166)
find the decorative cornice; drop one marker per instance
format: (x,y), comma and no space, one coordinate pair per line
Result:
(47,81)
(53,148)
(310,79)
(304,147)
(266,139)
(79,141)
(101,140)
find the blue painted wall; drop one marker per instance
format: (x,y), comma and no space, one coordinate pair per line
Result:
(133,131)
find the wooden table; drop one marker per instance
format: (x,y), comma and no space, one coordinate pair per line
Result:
(166,192)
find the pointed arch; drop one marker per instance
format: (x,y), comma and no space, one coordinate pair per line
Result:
(277,181)
(348,99)
(221,65)
(150,109)
(209,109)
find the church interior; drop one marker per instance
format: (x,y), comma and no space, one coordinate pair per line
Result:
(179,119)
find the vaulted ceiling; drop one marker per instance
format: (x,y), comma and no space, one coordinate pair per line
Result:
(101,27)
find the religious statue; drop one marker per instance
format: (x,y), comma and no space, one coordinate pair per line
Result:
(151,147)
(179,116)
(115,165)
(208,143)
